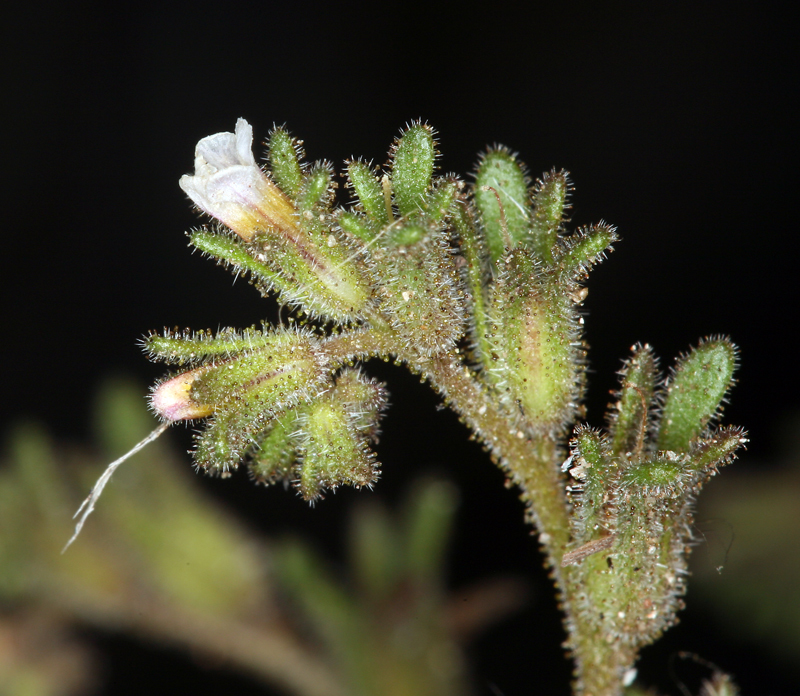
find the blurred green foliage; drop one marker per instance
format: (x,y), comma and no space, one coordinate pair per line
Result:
(748,570)
(161,561)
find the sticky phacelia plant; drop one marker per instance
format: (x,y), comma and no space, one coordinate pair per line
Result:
(478,290)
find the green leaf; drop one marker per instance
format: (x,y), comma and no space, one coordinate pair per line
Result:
(429,517)
(374,552)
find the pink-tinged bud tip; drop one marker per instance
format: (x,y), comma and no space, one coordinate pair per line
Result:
(172,400)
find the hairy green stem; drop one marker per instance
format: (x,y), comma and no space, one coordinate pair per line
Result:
(534,466)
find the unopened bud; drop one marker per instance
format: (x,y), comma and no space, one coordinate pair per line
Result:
(172,400)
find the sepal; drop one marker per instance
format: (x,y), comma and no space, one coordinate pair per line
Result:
(629,416)
(369,191)
(357,226)
(192,347)
(412,160)
(315,198)
(501,197)
(476,273)
(718,449)
(695,391)
(550,200)
(575,255)
(285,155)
(275,457)
(592,467)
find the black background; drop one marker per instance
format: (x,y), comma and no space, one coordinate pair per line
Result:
(674,120)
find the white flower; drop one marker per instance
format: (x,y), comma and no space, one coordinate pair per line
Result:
(230,186)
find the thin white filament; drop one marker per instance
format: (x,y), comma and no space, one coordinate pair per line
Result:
(88,505)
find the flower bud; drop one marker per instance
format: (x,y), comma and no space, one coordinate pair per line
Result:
(172,399)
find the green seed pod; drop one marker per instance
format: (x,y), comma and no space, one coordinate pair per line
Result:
(539,354)
(694,393)
(501,197)
(422,296)
(285,154)
(334,433)
(628,421)
(412,167)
